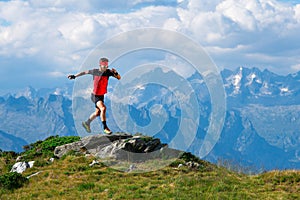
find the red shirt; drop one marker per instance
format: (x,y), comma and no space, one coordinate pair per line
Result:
(100,80)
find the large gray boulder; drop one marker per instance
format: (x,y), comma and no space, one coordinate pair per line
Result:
(119,146)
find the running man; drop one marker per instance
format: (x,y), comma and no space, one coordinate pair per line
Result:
(100,77)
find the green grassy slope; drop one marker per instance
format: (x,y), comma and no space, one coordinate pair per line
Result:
(71,177)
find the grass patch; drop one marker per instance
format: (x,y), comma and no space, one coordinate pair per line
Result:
(86,186)
(101,182)
(12,181)
(45,148)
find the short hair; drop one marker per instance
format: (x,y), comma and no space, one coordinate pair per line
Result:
(103,60)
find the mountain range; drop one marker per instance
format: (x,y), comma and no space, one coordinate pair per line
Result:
(262,122)
(34,115)
(261,128)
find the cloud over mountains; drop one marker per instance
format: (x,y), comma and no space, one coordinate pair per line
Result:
(51,38)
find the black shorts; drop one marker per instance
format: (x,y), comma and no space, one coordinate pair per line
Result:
(96,98)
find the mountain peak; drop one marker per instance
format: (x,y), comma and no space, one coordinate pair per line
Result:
(252,83)
(29,92)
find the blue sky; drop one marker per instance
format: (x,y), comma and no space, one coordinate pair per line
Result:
(43,41)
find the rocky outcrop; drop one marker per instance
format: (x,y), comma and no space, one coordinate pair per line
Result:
(119,146)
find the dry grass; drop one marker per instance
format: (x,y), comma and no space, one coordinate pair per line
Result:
(73,178)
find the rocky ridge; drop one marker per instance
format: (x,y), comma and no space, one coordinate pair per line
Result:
(120,147)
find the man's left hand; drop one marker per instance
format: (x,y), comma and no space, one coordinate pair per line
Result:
(114,71)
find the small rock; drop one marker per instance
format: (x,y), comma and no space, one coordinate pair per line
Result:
(95,162)
(20,167)
(33,175)
(19,158)
(131,168)
(30,163)
(192,165)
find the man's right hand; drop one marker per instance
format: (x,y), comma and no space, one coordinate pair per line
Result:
(71,77)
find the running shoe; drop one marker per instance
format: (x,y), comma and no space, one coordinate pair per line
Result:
(86,127)
(107,131)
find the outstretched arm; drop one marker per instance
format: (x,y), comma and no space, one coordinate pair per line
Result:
(116,74)
(72,76)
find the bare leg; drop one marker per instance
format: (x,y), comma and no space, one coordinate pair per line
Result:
(102,108)
(93,116)
(102,111)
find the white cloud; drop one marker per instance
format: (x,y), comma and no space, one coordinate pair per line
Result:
(172,24)
(57,74)
(297,13)
(36,28)
(173,63)
(262,27)
(61,33)
(238,13)
(296,67)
